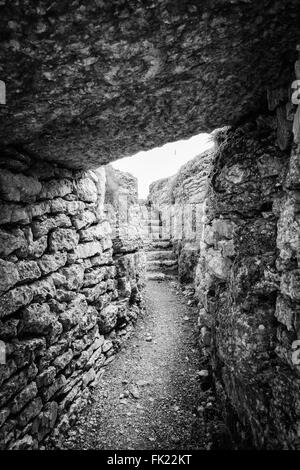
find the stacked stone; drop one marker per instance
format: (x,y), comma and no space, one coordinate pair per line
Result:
(122,208)
(144,222)
(180,200)
(288,243)
(190,183)
(62,317)
(249,297)
(130,229)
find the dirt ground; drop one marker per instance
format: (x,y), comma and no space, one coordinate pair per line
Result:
(151,397)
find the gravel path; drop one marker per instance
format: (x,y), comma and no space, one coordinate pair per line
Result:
(150,396)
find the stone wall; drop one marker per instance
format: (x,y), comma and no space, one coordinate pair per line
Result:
(124,212)
(180,200)
(67,301)
(248,281)
(124,215)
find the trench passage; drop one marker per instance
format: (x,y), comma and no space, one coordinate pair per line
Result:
(160,365)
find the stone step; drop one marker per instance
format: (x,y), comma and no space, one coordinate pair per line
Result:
(160,254)
(161,267)
(162,262)
(158,276)
(154,214)
(159,244)
(155,231)
(154,222)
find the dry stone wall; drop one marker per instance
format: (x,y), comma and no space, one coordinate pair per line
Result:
(248,282)
(125,213)
(181,202)
(67,303)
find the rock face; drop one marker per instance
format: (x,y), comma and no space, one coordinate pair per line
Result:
(123,210)
(248,285)
(62,299)
(188,185)
(90,82)
(119,183)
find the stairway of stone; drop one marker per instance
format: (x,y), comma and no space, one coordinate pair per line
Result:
(152,228)
(161,260)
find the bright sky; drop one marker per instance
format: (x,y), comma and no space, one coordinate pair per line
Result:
(162,161)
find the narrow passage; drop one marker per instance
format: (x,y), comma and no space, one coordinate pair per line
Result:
(150,397)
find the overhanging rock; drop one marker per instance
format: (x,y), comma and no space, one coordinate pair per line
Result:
(90,82)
